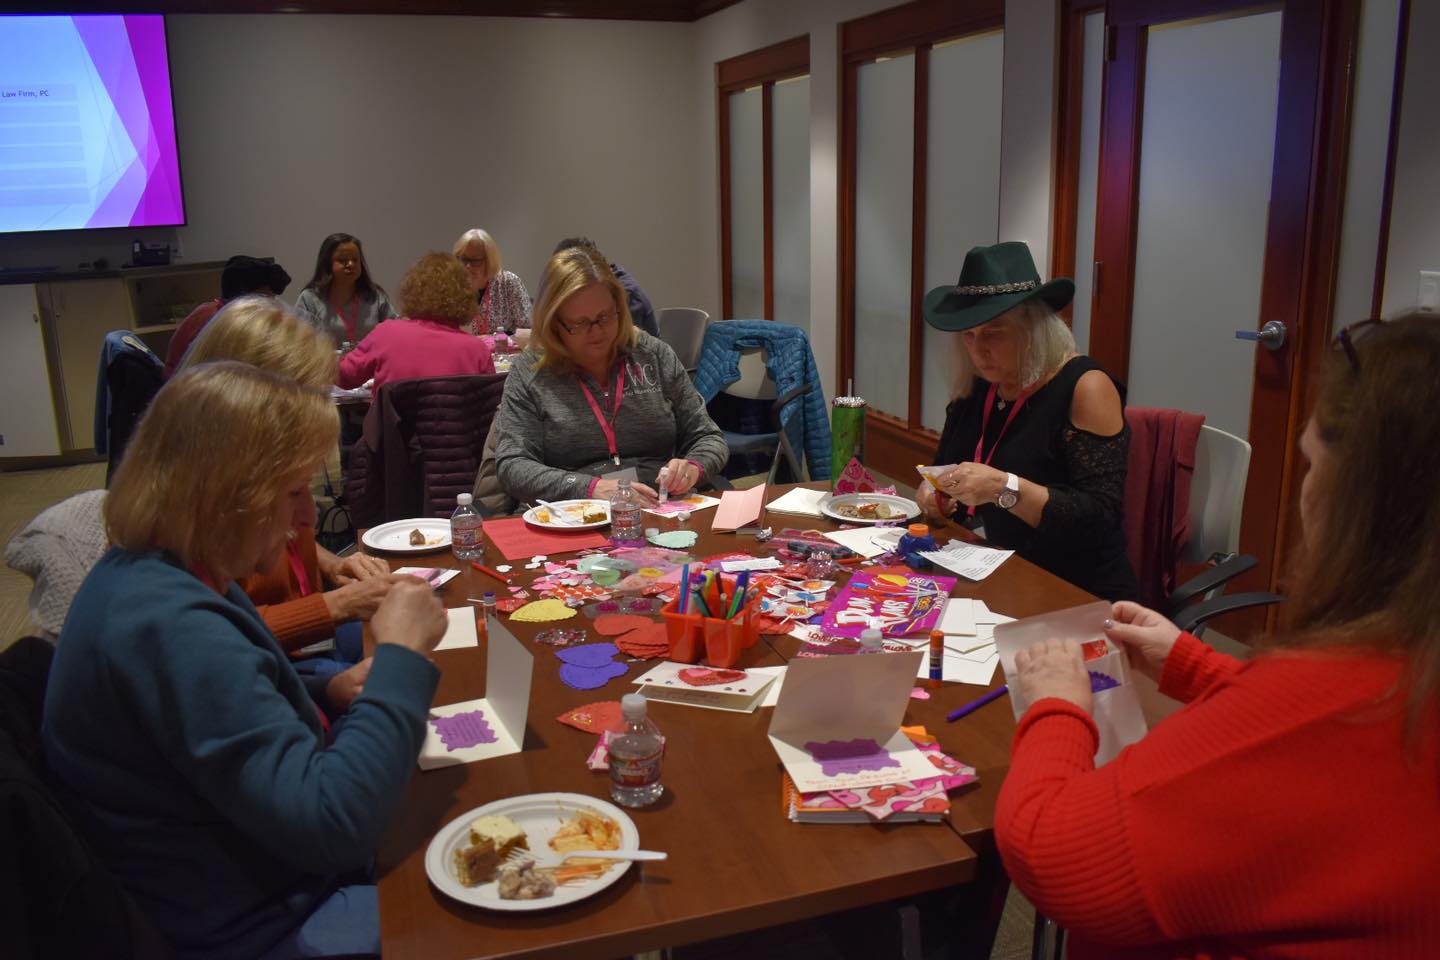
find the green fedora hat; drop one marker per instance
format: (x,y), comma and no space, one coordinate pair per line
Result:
(993,280)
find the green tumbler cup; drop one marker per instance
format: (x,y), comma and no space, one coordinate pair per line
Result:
(847,434)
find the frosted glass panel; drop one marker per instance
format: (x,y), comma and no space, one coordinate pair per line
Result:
(962,194)
(1205,164)
(1092,70)
(790,183)
(884,173)
(747,208)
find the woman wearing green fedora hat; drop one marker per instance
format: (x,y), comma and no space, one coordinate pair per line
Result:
(1035,440)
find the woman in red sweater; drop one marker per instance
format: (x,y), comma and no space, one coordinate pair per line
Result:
(1292,809)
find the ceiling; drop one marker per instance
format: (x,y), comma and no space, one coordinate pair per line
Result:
(674,10)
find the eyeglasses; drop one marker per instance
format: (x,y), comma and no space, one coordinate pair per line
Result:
(473,261)
(1349,336)
(601,320)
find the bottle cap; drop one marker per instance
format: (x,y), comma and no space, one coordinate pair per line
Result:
(633,706)
(464,499)
(488,597)
(919,530)
(871,638)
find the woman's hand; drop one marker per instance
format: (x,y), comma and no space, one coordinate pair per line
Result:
(358,566)
(605,489)
(411,616)
(1146,636)
(933,503)
(359,599)
(1055,668)
(346,685)
(680,476)
(972,483)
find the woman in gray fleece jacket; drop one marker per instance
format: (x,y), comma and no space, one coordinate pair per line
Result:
(593,394)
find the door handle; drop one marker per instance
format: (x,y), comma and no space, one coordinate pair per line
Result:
(1271,336)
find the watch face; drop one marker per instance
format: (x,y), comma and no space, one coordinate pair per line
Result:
(1007,499)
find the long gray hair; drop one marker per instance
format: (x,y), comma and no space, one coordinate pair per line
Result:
(1046,340)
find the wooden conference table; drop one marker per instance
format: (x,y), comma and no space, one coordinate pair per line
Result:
(736,861)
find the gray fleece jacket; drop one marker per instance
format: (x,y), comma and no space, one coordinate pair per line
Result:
(549,444)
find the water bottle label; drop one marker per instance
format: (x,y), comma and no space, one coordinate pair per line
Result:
(466,538)
(635,771)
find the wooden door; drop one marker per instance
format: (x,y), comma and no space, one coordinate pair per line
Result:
(1218,207)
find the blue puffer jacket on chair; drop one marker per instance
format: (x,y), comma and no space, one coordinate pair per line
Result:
(791,363)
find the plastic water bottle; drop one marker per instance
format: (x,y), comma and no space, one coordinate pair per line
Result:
(872,640)
(635,757)
(625,521)
(466,536)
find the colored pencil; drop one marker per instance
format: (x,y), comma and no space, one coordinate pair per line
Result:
(486,570)
(970,708)
(684,588)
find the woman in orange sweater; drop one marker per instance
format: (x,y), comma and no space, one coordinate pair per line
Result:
(312,594)
(1292,809)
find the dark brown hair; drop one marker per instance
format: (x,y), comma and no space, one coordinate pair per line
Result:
(1372,578)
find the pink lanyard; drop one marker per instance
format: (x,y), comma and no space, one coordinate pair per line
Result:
(354,317)
(608,426)
(980,456)
(297,567)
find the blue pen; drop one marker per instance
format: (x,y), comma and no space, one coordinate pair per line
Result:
(970,708)
(742,584)
(684,588)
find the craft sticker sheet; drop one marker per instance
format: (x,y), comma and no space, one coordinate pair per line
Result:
(899,604)
(837,722)
(490,727)
(686,504)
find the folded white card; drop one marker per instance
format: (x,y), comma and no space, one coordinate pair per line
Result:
(837,723)
(700,686)
(490,727)
(799,501)
(461,632)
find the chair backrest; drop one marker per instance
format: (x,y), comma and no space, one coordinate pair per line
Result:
(1217,494)
(684,329)
(755,382)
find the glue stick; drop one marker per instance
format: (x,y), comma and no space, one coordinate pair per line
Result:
(937,658)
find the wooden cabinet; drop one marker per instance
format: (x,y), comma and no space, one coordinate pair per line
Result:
(27,410)
(52,330)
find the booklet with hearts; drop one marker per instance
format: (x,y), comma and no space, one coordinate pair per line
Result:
(490,727)
(837,723)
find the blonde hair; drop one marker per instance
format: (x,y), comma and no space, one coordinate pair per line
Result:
(492,249)
(1045,343)
(568,272)
(438,288)
(264,333)
(183,485)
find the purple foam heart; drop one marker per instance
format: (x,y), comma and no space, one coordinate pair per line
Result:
(1102,681)
(462,730)
(589,654)
(588,678)
(849,756)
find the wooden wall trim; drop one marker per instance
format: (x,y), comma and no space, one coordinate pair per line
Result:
(1382,246)
(893,447)
(1070,54)
(922,21)
(919,190)
(779,61)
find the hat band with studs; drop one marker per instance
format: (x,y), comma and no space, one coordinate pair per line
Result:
(994,288)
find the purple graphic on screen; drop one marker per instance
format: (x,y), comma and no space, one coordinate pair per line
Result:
(91,123)
(464,730)
(838,757)
(1102,681)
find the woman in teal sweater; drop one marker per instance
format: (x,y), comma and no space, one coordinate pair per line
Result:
(239,803)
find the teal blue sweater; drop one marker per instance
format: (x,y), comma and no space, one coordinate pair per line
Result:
(194,760)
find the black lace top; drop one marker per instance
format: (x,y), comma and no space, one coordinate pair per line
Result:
(1081,536)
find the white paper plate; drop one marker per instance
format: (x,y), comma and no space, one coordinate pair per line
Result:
(540,815)
(828,504)
(394,537)
(532,515)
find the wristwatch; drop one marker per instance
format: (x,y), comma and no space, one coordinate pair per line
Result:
(1007,498)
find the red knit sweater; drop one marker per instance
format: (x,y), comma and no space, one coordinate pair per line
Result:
(1278,815)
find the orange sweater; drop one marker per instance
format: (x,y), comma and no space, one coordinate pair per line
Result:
(296,621)
(1278,815)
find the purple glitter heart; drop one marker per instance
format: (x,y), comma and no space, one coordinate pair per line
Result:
(462,730)
(588,678)
(849,756)
(589,654)
(1101,681)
